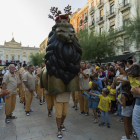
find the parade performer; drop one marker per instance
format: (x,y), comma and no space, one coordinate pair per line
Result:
(63,56)
(10,83)
(40,90)
(29,82)
(24,68)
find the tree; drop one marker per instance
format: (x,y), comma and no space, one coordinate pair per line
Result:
(132,26)
(98,46)
(37,58)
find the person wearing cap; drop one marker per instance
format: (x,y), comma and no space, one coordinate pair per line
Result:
(84,87)
(10,83)
(29,82)
(24,68)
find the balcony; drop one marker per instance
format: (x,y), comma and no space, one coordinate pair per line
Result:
(91,10)
(92,24)
(85,19)
(120,31)
(80,23)
(100,4)
(100,20)
(125,5)
(111,14)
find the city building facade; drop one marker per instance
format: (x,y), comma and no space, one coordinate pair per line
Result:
(14,52)
(106,15)
(43,45)
(79,19)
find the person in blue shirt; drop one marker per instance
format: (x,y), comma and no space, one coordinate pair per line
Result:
(98,81)
(94,101)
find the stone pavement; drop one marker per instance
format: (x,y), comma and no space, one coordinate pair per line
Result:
(38,126)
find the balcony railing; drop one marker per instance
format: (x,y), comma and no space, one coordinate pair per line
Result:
(120,29)
(99,19)
(110,12)
(124,4)
(100,4)
(91,10)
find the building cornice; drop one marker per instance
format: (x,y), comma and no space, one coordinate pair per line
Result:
(83,9)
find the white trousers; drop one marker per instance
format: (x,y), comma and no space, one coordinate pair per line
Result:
(136,120)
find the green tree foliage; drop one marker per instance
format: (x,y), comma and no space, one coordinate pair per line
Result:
(132,26)
(37,58)
(97,46)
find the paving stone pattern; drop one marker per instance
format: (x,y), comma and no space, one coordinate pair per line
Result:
(38,126)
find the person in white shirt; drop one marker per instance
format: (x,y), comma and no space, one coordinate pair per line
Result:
(4,70)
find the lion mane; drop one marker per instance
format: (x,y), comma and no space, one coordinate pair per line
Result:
(62,59)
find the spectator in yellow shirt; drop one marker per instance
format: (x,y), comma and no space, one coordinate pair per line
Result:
(104,105)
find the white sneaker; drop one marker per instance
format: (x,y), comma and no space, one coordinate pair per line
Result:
(116,114)
(27,114)
(95,121)
(124,138)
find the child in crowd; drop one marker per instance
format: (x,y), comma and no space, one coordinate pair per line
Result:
(94,101)
(119,107)
(109,84)
(112,95)
(104,105)
(90,82)
(98,81)
(127,109)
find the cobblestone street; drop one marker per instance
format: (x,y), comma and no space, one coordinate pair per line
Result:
(38,126)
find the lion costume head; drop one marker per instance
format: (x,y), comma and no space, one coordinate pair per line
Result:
(63,53)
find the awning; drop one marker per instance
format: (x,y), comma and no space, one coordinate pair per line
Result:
(118,58)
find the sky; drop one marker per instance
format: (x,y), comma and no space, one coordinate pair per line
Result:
(28,19)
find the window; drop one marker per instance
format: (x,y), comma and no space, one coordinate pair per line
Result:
(24,58)
(18,57)
(101,31)
(85,14)
(6,57)
(92,4)
(13,57)
(125,22)
(101,13)
(24,52)
(112,9)
(126,44)
(85,26)
(125,2)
